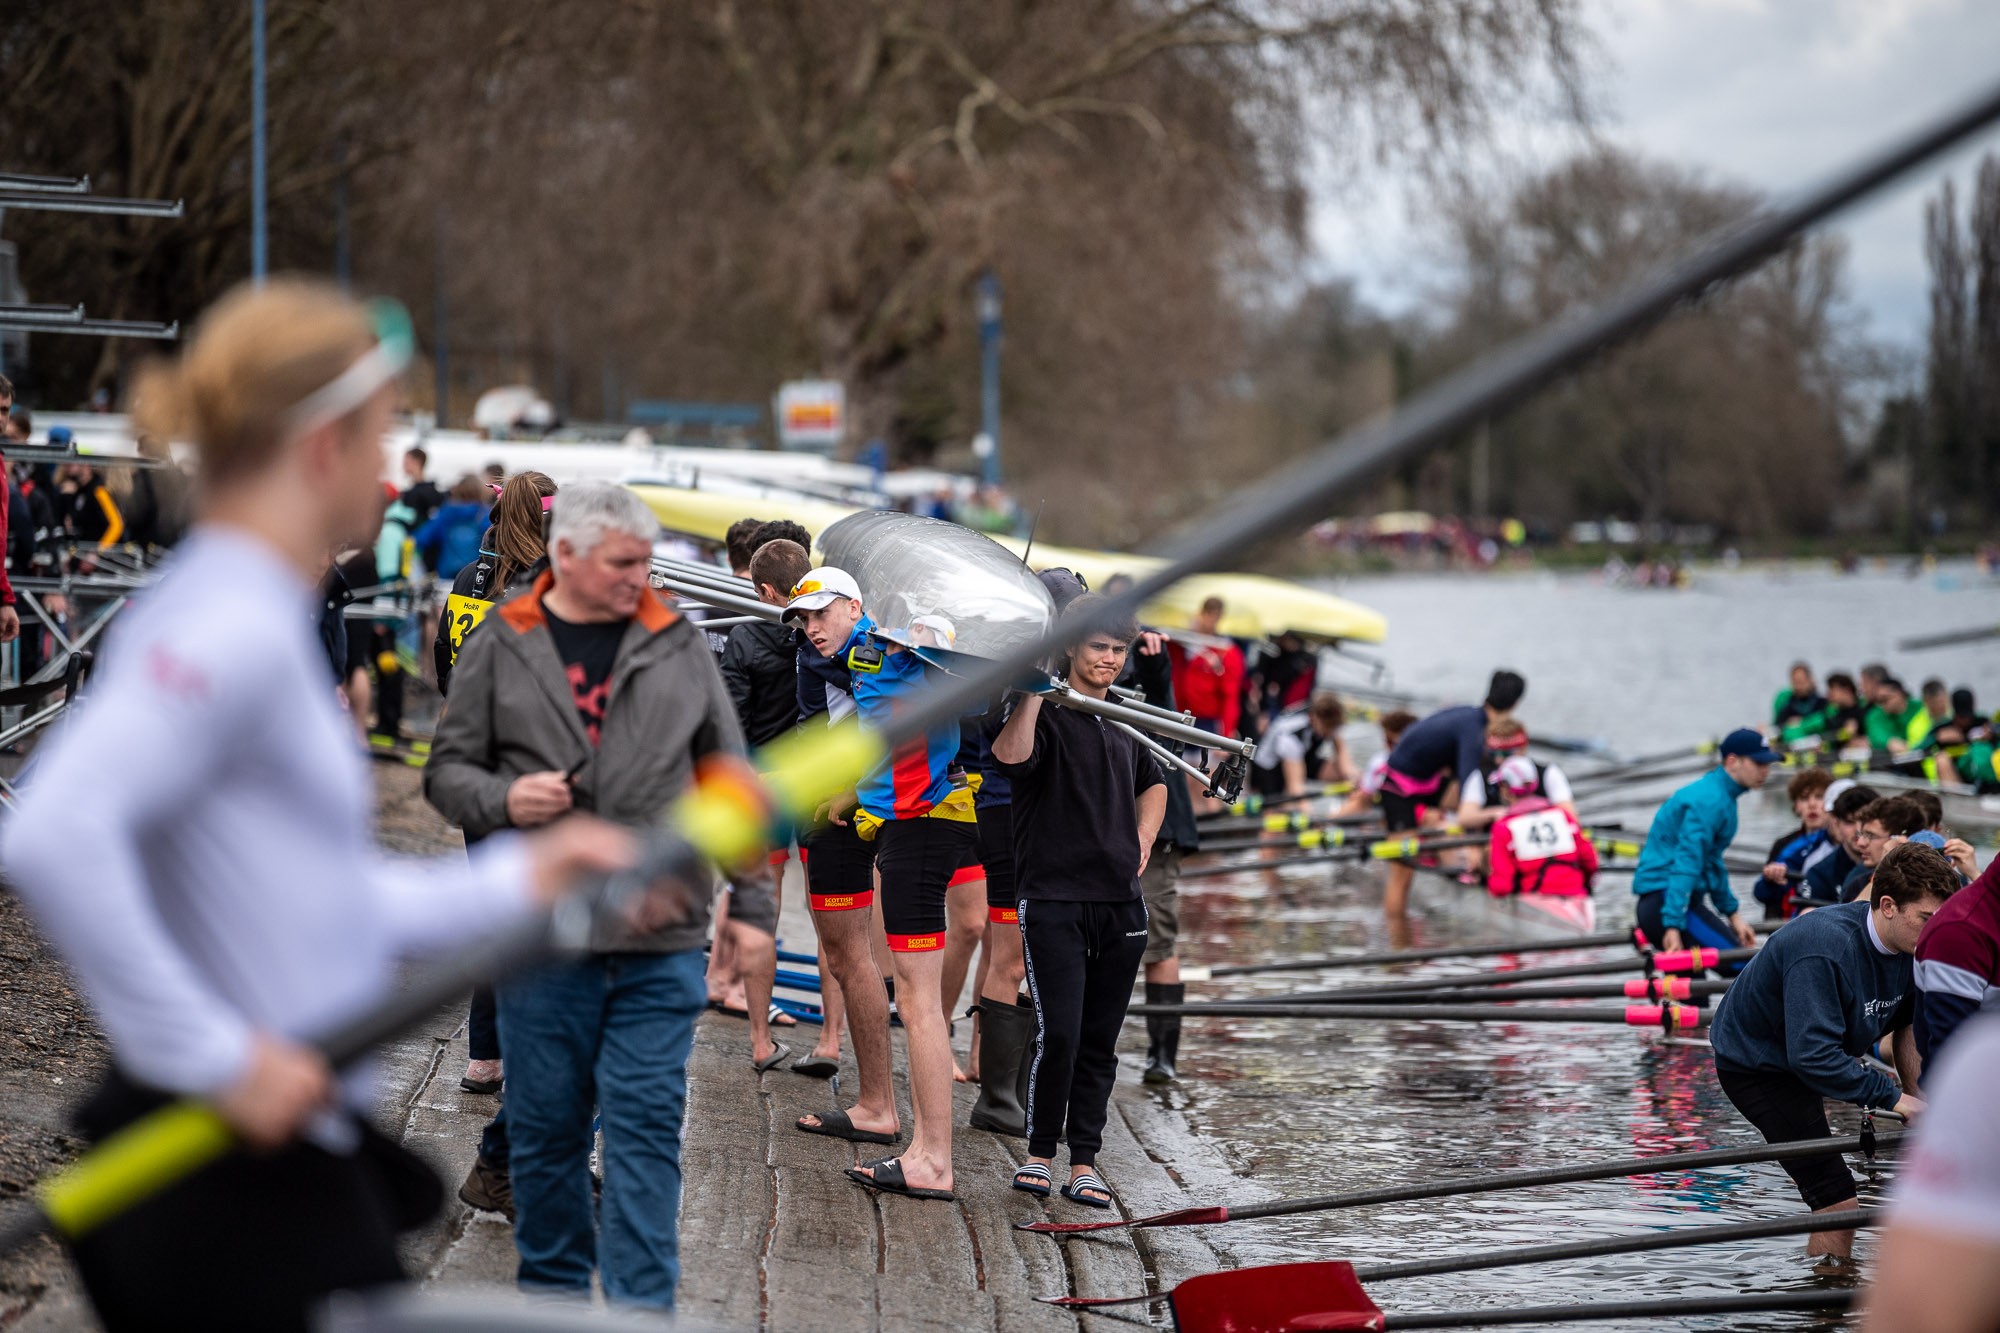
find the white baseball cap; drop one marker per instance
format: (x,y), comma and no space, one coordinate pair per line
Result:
(1517,774)
(1838,788)
(821,587)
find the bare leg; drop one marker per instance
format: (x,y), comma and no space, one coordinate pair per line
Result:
(757,959)
(1834,1244)
(927,1161)
(832,1010)
(1166,972)
(965,916)
(1006,969)
(1396,898)
(721,954)
(978,990)
(843,941)
(360,699)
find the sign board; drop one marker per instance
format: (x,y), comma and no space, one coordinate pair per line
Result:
(812,414)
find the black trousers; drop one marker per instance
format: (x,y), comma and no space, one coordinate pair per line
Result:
(1082,959)
(482,1026)
(254,1241)
(1785,1110)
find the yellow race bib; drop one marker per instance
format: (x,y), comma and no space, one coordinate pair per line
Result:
(462,613)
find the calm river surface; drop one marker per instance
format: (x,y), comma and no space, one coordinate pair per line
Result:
(1309,1109)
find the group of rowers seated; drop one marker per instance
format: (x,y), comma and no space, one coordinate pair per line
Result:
(1845,829)
(1939,734)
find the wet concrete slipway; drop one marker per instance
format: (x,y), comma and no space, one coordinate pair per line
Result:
(773,1235)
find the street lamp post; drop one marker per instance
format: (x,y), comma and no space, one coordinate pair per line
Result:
(987,303)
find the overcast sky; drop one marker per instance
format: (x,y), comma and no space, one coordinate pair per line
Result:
(1769,93)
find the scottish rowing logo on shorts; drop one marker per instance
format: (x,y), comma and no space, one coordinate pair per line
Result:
(916,943)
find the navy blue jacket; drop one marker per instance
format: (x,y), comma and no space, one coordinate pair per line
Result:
(1824,880)
(1815,997)
(1451,740)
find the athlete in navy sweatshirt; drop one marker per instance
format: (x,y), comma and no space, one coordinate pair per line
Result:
(1790,1032)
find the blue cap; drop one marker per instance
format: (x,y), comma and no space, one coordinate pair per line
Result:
(1929,838)
(1745,743)
(59,435)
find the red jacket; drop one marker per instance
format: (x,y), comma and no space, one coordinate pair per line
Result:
(1538,847)
(1208,682)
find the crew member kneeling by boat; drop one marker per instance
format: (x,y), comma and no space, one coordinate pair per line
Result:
(196,843)
(1682,884)
(1791,1029)
(1088,800)
(1537,846)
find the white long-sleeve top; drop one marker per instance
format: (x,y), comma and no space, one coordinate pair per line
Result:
(196,838)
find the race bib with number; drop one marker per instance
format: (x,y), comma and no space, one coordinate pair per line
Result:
(463,613)
(1539,836)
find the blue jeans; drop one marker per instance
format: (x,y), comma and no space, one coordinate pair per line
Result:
(611,1031)
(1706,928)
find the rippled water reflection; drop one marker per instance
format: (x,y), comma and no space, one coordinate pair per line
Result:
(1316,1108)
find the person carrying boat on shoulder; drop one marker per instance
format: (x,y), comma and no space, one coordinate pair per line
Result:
(1088,801)
(1790,1032)
(1536,845)
(916,807)
(1681,883)
(1442,750)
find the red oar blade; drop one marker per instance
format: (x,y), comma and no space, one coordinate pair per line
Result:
(1186,1217)
(1282,1298)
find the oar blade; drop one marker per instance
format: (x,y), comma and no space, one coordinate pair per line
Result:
(1186,1217)
(1281,1298)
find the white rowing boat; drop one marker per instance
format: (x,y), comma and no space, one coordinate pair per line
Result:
(1527,916)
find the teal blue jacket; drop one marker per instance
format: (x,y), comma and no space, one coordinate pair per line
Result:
(1683,853)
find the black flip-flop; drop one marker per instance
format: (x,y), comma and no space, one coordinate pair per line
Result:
(778,1052)
(816,1066)
(480,1088)
(836,1125)
(888,1178)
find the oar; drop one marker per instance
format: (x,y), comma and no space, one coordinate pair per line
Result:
(1254,803)
(1700,1160)
(1947,638)
(1652,988)
(1383,849)
(1403,956)
(1243,1288)
(1607,1310)
(1680,960)
(1667,1017)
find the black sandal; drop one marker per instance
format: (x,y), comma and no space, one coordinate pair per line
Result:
(837,1125)
(888,1177)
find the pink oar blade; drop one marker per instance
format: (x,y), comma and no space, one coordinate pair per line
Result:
(1186,1217)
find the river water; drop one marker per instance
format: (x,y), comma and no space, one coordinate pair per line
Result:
(1315,1108)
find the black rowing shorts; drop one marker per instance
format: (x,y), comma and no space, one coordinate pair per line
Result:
(1400,813)
(1785,1110)
(917,858)
(840,869)
(996,853)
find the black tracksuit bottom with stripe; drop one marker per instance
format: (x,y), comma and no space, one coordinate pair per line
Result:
(1082,958)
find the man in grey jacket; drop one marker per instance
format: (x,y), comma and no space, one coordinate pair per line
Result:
(588,692)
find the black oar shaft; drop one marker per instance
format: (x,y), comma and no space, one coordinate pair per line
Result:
(1583,990)
(1611,967)
(1419,955)
(1675,1308)
(1705,1159)
(1676,1238)
(1375,1013)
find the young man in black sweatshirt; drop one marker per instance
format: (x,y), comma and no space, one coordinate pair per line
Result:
(1088,801)
(1790,1033)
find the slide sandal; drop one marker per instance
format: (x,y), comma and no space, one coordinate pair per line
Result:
(888,1178)
(836,1125)
(1074,1191)
(1034,1179)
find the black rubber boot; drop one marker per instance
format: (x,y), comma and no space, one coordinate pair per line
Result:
(1005,1031)
(1163,1032)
